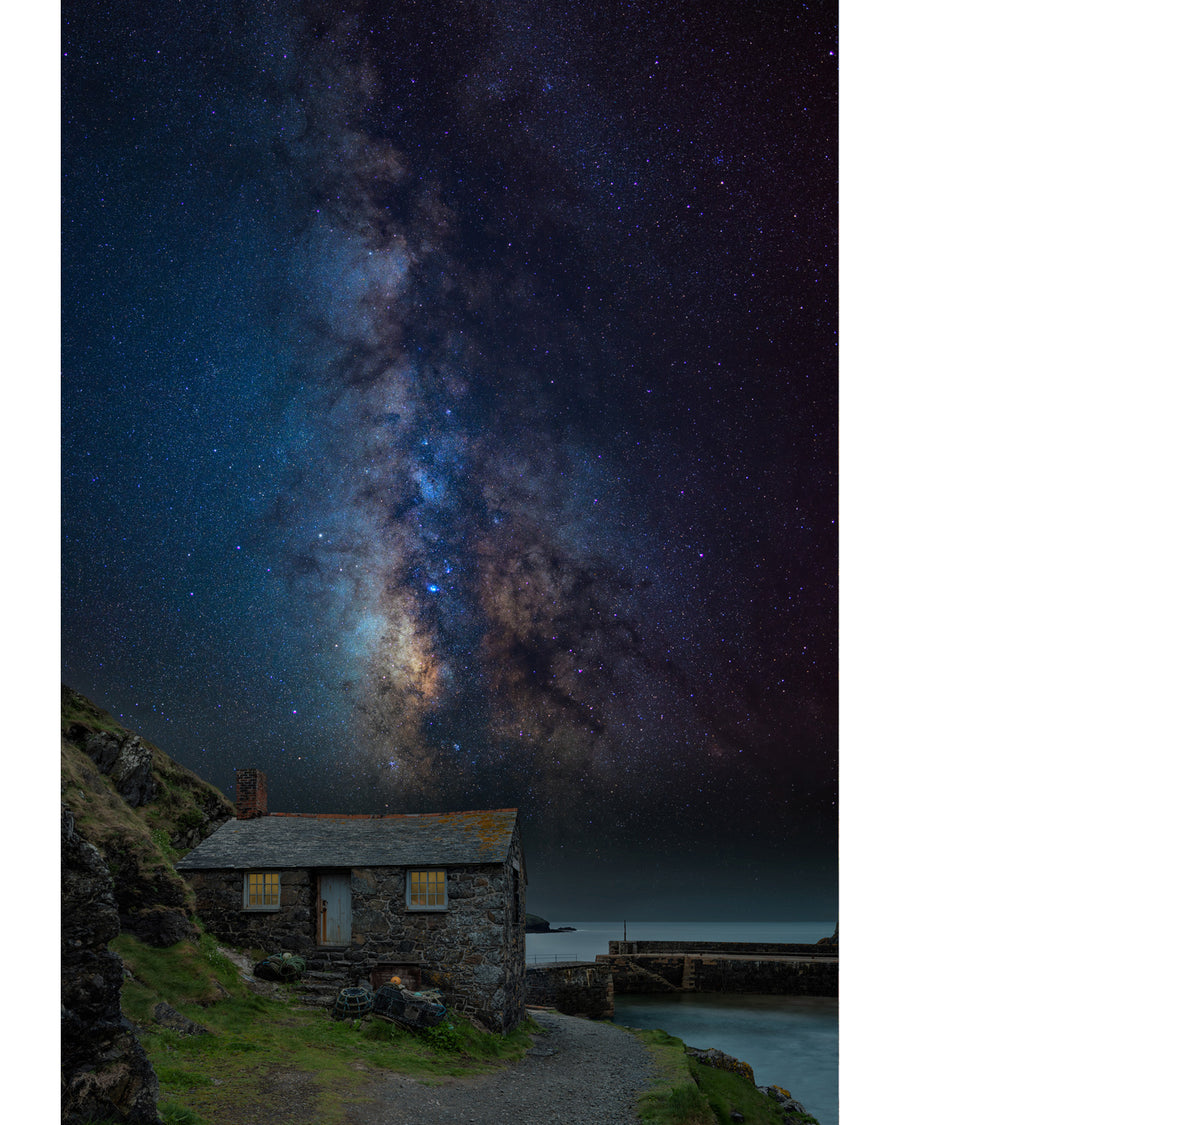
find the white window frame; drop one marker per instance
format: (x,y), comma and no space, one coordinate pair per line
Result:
(408,888)
(259,908)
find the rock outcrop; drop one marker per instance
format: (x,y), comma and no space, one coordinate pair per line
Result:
(786,1102)
(535,924)
(142,811)
(105,1071)
(128,761)
(719,1060)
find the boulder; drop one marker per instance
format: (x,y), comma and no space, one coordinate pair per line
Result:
(105,1071)
(177,1021)
(160,926)
(783,1099)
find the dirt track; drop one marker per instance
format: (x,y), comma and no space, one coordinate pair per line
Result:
(577,1073)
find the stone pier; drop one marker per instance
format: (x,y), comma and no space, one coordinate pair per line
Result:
(773,968)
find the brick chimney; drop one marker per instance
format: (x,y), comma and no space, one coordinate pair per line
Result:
(251,796)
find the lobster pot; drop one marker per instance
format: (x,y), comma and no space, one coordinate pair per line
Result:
(291,967)
(280,966)
(409,1009)
(352,1004)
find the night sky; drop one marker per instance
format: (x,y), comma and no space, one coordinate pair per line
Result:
(449,420)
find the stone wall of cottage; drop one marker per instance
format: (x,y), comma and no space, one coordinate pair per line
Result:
(291,928)
(474,951)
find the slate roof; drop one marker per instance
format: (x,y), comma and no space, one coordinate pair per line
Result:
(323,840)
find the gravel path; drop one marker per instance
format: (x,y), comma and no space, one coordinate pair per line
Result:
(577,1073)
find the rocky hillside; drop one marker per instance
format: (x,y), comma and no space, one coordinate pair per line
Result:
(142,811)
(106,1074)
(128,812)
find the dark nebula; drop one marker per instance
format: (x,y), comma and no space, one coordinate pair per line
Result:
(449,421)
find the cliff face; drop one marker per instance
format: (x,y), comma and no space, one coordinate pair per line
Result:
(142,811)
(105,1071)
(128,811)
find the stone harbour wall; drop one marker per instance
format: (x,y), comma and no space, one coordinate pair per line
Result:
(789,949)
(643,972)
(474,951)
(716,972)
(579,988)
(774,977)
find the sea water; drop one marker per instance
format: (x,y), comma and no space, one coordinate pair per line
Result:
(789,1041)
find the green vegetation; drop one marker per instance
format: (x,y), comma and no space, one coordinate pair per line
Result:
(184,802)
(139,858)
(674,1099)
(172,1113)
(259,1044)
(187,974)
(78,710)
(689,1093)
(726,1091)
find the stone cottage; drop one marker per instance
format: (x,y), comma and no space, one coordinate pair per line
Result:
(437,899)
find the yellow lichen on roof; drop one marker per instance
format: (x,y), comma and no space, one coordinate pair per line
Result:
(489,826)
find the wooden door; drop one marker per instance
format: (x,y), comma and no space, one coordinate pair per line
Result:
(333,908)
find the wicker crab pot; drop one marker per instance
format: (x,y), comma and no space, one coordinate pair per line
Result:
(408,1009)
(352,1004)
(280,966)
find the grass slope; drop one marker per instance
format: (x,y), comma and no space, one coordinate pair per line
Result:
(267,1059)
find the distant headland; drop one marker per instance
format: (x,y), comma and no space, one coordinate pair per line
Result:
(534,924)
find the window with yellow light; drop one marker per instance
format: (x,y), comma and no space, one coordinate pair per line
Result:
(427,889)
(261,890)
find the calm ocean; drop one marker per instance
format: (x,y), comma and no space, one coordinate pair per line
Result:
(790,1041)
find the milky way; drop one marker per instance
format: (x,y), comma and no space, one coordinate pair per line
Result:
(449,402)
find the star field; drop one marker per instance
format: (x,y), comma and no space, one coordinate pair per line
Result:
(449,417)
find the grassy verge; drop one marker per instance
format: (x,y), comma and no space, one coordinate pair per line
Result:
(674,1099)
(688,1093)
(263,1051)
